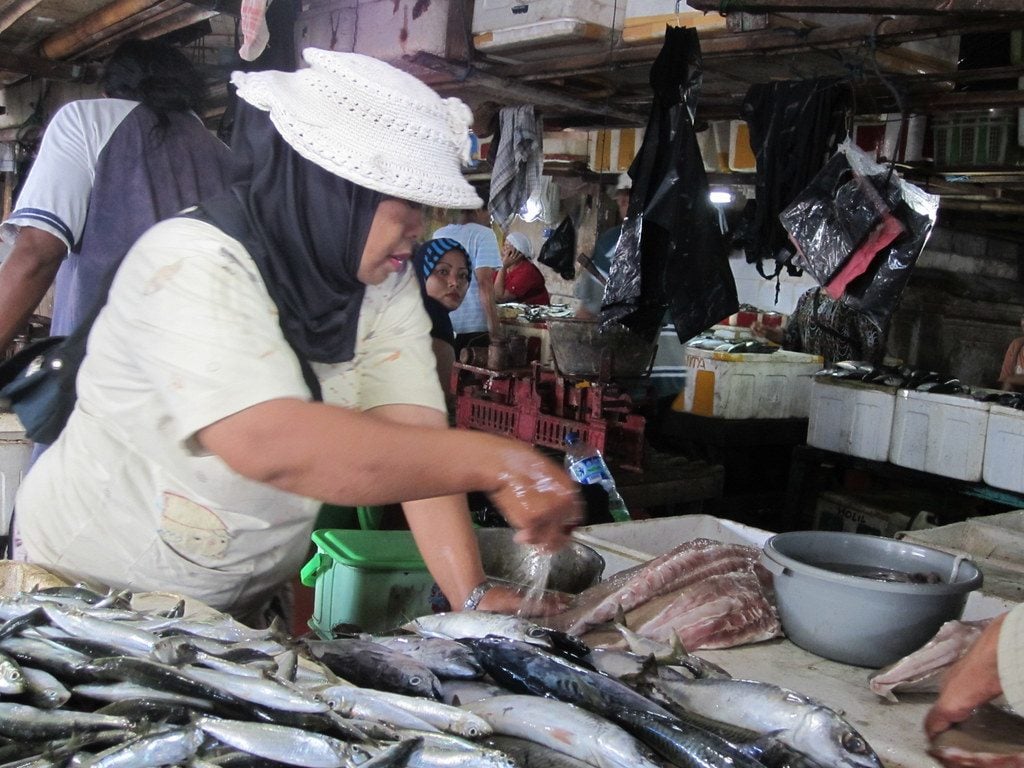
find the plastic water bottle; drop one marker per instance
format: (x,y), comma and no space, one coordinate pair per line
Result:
(587,466)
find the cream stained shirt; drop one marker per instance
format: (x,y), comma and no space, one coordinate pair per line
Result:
(188,337)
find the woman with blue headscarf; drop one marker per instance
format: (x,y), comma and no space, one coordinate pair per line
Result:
(444,270)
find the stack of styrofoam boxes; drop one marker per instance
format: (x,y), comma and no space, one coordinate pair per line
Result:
(15,450)
(1004,449)
(851,417)
(940,434)
(746,385)
(511,25)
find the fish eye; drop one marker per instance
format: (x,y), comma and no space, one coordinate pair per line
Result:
(536,632)
(415,680)
(854,743)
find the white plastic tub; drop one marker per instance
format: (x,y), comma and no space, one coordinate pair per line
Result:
(851,417)
(1003,465)
(941,434)
(747,386)
(623,545)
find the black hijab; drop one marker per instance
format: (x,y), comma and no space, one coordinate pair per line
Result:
(305,228)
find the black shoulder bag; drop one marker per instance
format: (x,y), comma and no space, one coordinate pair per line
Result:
(38,383)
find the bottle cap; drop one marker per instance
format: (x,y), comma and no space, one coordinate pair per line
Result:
(571,438)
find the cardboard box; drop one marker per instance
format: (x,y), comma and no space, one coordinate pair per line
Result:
(871,515)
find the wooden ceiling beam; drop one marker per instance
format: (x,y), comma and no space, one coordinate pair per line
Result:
(12,11)
(229,7)
(889,7)
(36,66)
(461,78)
(879,32)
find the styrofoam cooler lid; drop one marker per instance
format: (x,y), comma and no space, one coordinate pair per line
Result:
(830,381)
(370,550)
(959,400)
(1004,410)
(779,356)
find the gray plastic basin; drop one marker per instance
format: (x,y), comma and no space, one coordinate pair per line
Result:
(855,619)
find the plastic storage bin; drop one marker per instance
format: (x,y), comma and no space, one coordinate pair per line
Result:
(376,580)
(15,452)
(973,138)
(941,434)
(851,417)
(747,386)
(1003,465)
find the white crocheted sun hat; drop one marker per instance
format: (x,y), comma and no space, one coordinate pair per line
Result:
(370,123)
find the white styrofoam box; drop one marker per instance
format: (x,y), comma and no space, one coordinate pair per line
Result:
(646,19)
(623,545)
(15,452)
(941,434)
(511,24)
(747,386)
(1003,465)
(851,417)
(994,542)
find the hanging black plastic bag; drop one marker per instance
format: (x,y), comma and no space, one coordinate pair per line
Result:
(794,128)
(836,213)
(670,254)
(559,250)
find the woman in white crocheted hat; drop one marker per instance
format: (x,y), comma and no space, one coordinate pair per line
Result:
(200,449)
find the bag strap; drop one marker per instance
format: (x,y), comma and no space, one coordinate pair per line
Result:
(221,213)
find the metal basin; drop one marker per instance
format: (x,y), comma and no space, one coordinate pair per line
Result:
(828,606)
(573,568)
(581,348)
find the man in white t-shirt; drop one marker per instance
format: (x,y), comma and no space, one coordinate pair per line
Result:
(107,170)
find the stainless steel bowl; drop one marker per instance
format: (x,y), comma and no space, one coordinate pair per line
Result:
(573,568)
(836,596)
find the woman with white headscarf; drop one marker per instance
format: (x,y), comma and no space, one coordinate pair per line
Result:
(519,279)
(270,352)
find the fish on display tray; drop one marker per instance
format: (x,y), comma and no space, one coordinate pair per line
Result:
(103,681)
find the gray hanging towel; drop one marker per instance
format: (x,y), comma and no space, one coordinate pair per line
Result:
(518,163)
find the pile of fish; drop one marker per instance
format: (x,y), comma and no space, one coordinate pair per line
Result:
(88,680)
(702,593)
(903,377)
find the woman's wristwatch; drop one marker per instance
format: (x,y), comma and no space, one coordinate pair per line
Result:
(477,594)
